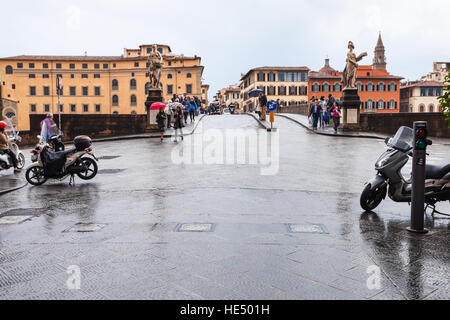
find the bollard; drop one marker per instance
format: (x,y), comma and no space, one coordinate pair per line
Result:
(418,177)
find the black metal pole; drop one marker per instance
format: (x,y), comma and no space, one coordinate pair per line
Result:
(418,182)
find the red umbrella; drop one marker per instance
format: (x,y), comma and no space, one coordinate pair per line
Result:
(157,106)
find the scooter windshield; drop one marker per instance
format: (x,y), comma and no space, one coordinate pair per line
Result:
(403,139)
(10,128)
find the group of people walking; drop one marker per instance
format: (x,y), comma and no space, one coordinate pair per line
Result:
(322,111)
(176,114)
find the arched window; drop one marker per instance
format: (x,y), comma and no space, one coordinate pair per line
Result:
(133,100)
(116,112)
(421,108)
(115,100)
(115,84)
(392,87)
(369,104)
(440,108)
(381,104)
(360,86)
(316,87)
(369,87)
(133,113)
(133,84)
(381,87)
(189,75)
(147,87)
(169,76)
(9,70)
(326,87)
(337,87)
(431,108)
(392,104)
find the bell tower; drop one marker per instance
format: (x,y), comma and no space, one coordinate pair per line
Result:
(379,60)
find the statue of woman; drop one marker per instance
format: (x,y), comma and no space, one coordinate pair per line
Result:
(349,74)
(156,63)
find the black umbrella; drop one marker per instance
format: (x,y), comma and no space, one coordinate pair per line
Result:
(255,93)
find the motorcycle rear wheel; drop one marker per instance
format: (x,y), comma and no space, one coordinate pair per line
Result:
(370,199)
(35,176)
(91,169)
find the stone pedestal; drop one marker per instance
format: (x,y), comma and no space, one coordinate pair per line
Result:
(351,104)
(154,95)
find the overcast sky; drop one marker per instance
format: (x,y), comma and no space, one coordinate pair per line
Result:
(233,36)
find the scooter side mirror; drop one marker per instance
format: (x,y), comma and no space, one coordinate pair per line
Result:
(39,137)
(386,141)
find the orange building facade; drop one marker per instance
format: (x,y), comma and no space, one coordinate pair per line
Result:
(379,91)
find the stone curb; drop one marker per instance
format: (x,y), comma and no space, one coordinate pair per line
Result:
(345,135)
(144,136)
(261,123)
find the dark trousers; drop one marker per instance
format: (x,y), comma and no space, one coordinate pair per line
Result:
(315,119)
(192,115)
(12,156)
(168,120)
(185,116)
(336,121)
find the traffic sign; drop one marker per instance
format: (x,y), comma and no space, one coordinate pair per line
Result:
(272,106)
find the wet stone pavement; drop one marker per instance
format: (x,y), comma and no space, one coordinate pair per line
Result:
(149,228)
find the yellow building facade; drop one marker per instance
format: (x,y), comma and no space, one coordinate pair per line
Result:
(287,85)
(94,84)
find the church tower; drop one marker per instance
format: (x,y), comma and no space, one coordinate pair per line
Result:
(379,60)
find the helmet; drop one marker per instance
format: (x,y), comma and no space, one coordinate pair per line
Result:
(3,125)
(49,115)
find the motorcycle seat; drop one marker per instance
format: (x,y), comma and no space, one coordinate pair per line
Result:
(437,171)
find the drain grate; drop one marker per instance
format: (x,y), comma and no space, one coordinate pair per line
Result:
(108,157)
(5,220)
(195,227)
(306,228)
(110,171)
(86,227)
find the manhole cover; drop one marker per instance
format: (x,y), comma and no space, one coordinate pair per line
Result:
(306,228)
(110,171)
(108,157)
(195,227)
(13,219)
(86,227)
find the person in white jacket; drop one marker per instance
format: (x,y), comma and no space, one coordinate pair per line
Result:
(169,113)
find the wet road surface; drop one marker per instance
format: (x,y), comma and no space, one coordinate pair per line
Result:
(140,197)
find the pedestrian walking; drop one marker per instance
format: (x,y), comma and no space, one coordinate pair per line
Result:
(161,121)
(178,116)
(323,105)
(263,105)
(336,116)
(186,105)
(314,114)
(192,109)
(169,113)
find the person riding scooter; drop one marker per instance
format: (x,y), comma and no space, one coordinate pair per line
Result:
(4,145)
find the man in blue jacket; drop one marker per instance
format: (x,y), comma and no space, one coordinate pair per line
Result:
(192,109)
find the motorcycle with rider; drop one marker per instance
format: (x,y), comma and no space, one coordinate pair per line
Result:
(10,154)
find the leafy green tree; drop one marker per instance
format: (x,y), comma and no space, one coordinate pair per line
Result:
(444,100)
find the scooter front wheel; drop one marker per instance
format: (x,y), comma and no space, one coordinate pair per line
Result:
(35,176)
(370,199)
(20,161)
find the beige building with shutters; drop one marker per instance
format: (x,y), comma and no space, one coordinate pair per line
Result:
(287,85)
(94,84)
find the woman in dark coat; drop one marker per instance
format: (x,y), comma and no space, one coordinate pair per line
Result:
(179,118)
(161,121)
